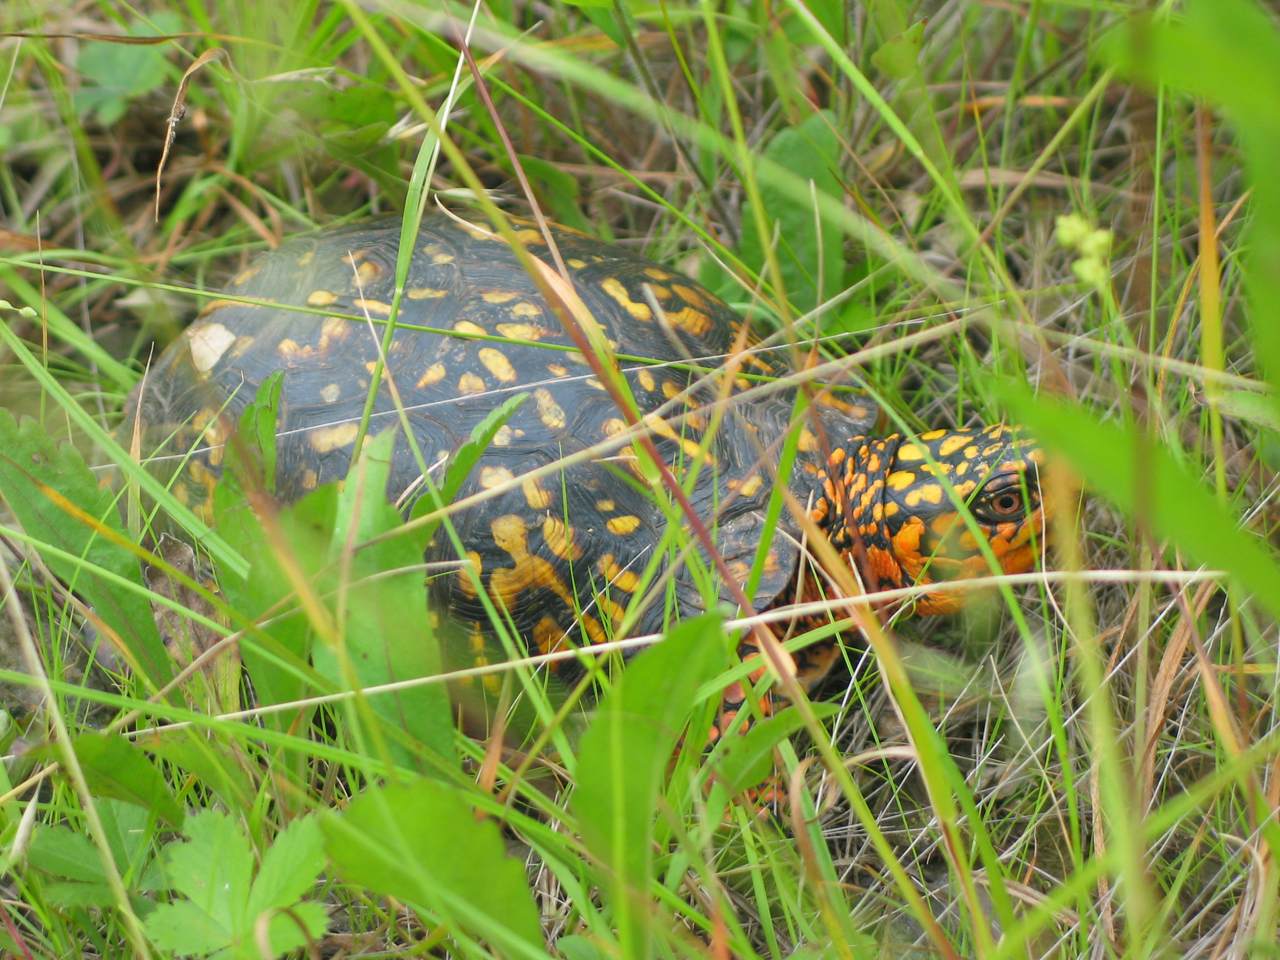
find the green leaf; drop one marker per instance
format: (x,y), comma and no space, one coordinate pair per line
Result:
(125,825)
(34,473)
(120,72)
(282,676)
(1142,477)
(387,631)
(114,767)
(624,753)
(899,56)
(1257,408)
(202,753)
(69,894)
(421,843)
(185,929)
(212,870)
(62,852)
(746,760)
(811,151)
(289,867)
(464,460)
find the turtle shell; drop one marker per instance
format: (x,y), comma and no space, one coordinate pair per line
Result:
(567,528)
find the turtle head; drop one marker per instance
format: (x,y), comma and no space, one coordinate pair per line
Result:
(911,529)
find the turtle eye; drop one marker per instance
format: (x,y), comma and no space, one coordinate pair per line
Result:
(1004,505)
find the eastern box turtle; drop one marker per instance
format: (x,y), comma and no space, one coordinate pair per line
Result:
(566,550)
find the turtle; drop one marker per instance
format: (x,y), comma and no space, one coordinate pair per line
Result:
(568,531)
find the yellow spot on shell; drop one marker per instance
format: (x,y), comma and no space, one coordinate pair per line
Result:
(549,412)
(576,263)
(933,435)
(373,306)
(470,383)
(646,380)
(249,273)
(655,274)
(535,494)
(690,320)
(670,389)
(433,374)
(753,484)
(606,506)
(623,525)
(500,296)
(614,288)
(306,258)
(497,363)
(526,309)
(333,328)
(689,296)
(466,326)
(951,444)
(529,236)
(613,426)
(559,537)
(808,442)
(522,331)
(243,343)
(331,393)
(326,439)
(309,479)
(557,371)
(503,436)
(208,342)
(511,533)
(442,258)
(465,584)
(321,298)
(368,271)
(288,349)
(491,477)
(424,293)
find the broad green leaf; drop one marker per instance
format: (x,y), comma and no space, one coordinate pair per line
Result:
(121,72)
(464,460)
(282,676)
(746,760)
(897,57)
(422,844)
(387,631)
(34,474)
(812,152)
(1141,477)
(1257,408)
(289,867)
(213,763)
(62,852)
(624,753)
(125,825)
(69,893)
(185,929)
(212,870)
(561,190)
(114,767)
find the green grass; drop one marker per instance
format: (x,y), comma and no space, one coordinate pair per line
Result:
(1082,765)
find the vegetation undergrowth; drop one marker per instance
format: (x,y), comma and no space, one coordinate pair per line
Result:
(1060,214)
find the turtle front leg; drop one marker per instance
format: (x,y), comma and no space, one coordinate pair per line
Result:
(813,663)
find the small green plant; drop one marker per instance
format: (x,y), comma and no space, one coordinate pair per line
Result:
(230,910)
